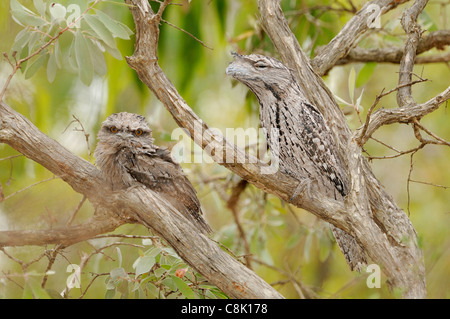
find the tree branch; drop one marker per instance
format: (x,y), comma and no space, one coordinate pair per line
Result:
(115,208)
(436,39)
(404,114)
(414,32)
(65,236)
(349,35)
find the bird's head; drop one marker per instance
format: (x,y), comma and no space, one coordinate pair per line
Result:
(261,74)
(121,130)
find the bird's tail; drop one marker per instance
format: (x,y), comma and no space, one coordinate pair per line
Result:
(353,252)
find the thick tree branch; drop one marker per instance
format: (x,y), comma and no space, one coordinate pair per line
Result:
(64,236)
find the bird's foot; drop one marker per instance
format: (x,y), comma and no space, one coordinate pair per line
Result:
(303,187)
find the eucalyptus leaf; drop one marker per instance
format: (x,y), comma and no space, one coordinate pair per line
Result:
(365,73)
(114,52)
(40,7)
(184,288)
(119,255)
(15,5)
(99,28)
(34,41)
(110,293)
(57,53)
(351,84)
(144,265)
(118,29)
(35,66)
(21,41)
(83,57)
(152,290)
(25,19)
(51,68)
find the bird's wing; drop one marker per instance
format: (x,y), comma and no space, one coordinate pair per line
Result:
(158,172)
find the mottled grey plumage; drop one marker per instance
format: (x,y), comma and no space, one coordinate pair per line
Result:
(297,134)
(126,154)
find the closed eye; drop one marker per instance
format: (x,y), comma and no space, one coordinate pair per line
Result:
(260,64)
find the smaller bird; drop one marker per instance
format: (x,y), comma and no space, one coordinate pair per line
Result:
(126,155)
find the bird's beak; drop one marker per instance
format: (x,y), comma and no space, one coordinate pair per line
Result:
(124,135)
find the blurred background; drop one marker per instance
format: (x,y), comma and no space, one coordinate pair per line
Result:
(291,248)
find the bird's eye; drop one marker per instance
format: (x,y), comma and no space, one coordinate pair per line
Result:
(260,65)
(138,132)
(113,129)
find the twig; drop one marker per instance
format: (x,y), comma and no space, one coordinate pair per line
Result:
(361,136)
(427,183)
(439,140)
(86,135)
(238,189)
(189,34)
(29,186)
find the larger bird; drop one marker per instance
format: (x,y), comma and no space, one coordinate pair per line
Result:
(127,156)
(297,134)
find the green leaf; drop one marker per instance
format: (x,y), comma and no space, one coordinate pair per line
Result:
(33,67)
(144,265)
(83,57)
(169,283)
(118,273)
(57,53)
(184,288)
(358,102)
(21,41)
(119,254)
(51,68)
(152,290)
(114,52)
(294,239)
(351,84)
(25,19)
(110,293)
(365,73)
(118,29)
(36,291)
(159,272)
(72,57)
(15,5)
(40,7)
(99,28)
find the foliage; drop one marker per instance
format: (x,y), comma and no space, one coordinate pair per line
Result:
(72,76)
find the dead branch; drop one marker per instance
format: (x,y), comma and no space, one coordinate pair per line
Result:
(436,39)
(414,33)
(349,36)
